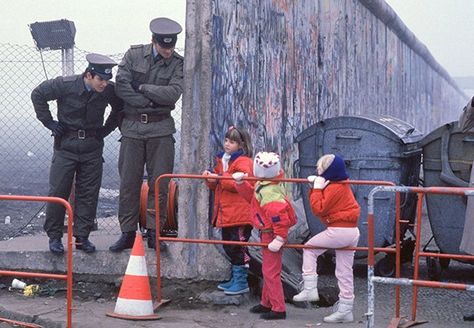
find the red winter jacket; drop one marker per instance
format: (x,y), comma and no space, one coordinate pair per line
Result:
(270,207)
(335,205)
(230,209)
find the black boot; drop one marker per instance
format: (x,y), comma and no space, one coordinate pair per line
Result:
(85,245)
(259,308)
(56,246)
(272,315)
(151,240)
(125,241)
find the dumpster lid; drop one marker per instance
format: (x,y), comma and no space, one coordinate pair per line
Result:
(405,132)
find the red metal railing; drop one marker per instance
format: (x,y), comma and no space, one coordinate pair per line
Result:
(222,242)
(415,282)
(68,275)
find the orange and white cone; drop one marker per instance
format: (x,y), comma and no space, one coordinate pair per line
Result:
(134,301)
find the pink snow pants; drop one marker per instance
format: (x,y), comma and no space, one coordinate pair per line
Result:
(334,238)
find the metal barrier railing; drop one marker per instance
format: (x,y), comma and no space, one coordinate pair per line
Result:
(415,282)
(68,275)
(222,242)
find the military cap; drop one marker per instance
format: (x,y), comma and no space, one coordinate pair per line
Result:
(165,31)
(101,65)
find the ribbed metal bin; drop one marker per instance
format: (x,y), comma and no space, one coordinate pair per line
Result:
(374,147)
(448,155)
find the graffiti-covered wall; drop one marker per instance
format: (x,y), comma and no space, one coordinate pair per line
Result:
(279,66)
(275,67)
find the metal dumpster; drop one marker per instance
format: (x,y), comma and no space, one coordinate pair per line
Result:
(448,154)
(374,147)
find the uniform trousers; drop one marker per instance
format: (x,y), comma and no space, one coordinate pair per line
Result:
(87,171)
(157,155)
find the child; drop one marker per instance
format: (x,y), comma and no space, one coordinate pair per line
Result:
(337,208)
(273,216)
(231,212)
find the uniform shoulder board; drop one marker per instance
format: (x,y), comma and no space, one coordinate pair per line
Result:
(178,55)
(135,46)
(70,78)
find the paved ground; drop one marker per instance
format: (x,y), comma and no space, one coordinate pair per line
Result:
(190,306)
(442,308)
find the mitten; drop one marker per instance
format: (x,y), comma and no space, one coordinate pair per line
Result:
(320,183)
(276,244)
(239,176)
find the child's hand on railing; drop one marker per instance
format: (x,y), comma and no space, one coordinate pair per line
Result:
(209,174)
(319,182)
(238,177)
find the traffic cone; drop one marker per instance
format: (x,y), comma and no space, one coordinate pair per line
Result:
(134,301)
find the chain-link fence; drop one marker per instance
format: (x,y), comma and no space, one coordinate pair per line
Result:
(26,147)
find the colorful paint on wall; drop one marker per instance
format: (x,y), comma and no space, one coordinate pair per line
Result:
(279,66)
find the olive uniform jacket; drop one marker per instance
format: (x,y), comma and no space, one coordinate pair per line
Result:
(161,87)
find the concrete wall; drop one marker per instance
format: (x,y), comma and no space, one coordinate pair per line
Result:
(280,66)
(193,260)
(275,67)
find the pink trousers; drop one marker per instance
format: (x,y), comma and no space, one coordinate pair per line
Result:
(334,238)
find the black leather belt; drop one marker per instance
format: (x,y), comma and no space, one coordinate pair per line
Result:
(147,118)
(81,134)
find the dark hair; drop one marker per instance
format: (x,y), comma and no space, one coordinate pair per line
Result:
(89,70)
(242,138)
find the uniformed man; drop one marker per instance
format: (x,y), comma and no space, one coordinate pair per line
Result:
(78,143)
(150,82)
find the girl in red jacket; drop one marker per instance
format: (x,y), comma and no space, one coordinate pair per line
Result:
(335,205)
(273,215)
(231,212)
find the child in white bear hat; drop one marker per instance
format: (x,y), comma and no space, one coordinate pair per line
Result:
(273,215)
(335,204)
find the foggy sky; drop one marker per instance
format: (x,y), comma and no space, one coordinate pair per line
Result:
(111,26)
(105,26)
(445,27)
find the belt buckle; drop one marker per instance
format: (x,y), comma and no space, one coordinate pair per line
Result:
(81,134)
(144,118)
